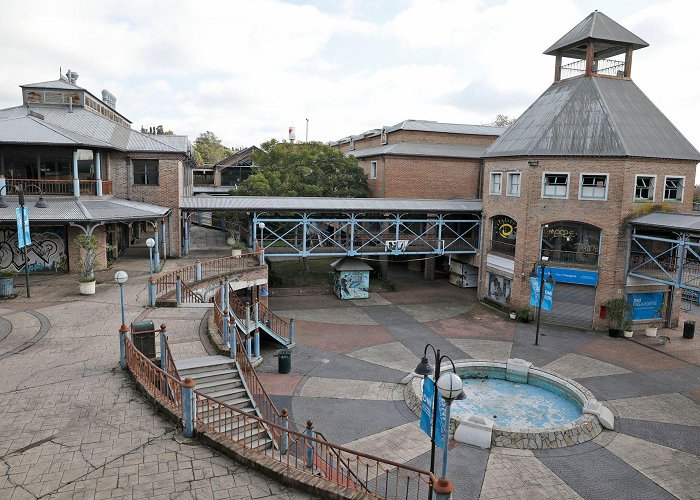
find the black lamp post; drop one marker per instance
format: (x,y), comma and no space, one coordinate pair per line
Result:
(541,265)
(425,369)
(41,203)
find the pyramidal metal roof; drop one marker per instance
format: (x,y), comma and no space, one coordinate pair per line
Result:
(597,26)
(593,117)
(54,84)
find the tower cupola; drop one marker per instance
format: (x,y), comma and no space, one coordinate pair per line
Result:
(597,46)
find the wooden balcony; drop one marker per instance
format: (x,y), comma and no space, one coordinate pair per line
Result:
(63,187)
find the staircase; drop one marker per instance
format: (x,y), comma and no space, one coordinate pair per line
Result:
(218,377)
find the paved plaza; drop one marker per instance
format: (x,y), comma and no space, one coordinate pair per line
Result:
(73,426)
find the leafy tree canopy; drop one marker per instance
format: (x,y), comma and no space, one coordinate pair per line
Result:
(306,169)
(209,150)
(501,121)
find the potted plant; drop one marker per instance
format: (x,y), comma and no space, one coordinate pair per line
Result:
(513,314)
(88,243)
(618,311)
(7,282)
(237,249)
(627,329)
(653,328)
(525,315)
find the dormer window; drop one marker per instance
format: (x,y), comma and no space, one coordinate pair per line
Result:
(352,144)
(383,138)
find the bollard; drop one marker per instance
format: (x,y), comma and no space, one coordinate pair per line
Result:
(151,292)
(188,407)
(156,250)
(197,270)
(291,330)
(232,339)
(284,445)
(443,489)
(123,331)
(178,290)
(309,445)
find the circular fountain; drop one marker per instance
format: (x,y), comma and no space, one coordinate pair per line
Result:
(515,405)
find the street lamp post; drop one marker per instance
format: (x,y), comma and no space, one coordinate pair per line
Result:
(425,369)
(120,277)
(24,226)
(540,266)
(450,386)
(261,225)
(150,243)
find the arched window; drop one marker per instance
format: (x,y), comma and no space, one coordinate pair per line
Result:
(571,242)
(503,234)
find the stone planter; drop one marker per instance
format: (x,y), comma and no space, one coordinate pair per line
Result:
(7,286)
(87,287)
(650,331)
(236,252)
(628,333)
(513,315)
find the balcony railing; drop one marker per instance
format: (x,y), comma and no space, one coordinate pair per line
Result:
(611,67)
(62,187)
(502,247)
(574,258)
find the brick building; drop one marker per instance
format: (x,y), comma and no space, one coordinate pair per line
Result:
(98,176)
(422,159)
(589,155)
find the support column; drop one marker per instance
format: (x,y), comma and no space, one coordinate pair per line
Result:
(123,330)
(186,230)
(156,247)
(151,292)
(178,290)
(429,270)
(309,445)
(98,173)
(162,232)
(188,407)
(384,267)
(76,182)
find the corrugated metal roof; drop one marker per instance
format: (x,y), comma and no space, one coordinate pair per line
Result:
(447,128)
(87,128)
(31,130)
(350,264)
(422,149)
(685,222)
(593,117)
(84,210)
(53,84)
(272,203)
(599,27)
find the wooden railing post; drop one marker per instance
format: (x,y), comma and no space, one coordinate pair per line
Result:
(178,290)
(284,445)
(188,407)
(309,445)
(123,331)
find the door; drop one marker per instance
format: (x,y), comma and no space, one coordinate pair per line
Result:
(573,305)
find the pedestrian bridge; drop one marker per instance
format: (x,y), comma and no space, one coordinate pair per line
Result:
(306,227)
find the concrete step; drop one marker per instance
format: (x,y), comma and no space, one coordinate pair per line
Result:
(199,365)
(218,385)
(213,376)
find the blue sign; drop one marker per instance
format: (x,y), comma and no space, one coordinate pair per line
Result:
(547,297)
(646,305)
(23,237)
(575,276)
(426,412)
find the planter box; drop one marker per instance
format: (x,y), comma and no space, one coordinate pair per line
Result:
(87,287)
(7,286)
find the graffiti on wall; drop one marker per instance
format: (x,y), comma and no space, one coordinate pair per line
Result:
(47,252)
(352,284)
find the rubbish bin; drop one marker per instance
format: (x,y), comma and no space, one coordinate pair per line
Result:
(146,341)
(689,329)
(284,360)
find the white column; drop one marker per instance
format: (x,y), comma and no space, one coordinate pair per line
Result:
(98,173)
(76,182)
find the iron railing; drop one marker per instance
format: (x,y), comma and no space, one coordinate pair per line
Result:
(502,247)
(610,67)
(61,187)
(587,259)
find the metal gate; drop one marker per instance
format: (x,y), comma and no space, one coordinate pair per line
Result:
(573,305)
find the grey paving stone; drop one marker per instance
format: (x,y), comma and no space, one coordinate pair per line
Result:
(342,366)
(595,473)
(681,437)
(632,385)
(554,342)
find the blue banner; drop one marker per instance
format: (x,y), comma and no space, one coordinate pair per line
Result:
(23,237)
(574,276)
(646,305)
(547,297)
(426,412)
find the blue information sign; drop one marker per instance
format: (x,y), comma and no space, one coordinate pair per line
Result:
(646,305)
(547,297)
(426,412)
(574,276)
(23,237)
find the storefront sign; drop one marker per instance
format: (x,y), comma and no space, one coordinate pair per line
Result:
(646,305)
(547,296)
(575,276)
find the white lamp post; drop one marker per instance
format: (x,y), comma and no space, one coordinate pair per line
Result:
(121,277)
(450,386)
(261,225)
(150,243)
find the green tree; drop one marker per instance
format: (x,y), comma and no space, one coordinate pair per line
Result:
(208,149)
(306,169)
(501,121)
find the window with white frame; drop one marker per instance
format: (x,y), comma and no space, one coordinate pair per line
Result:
(644,188)
(555,185)
(373,170)
(513,188)
(673,189)
(594,187)
(495,185)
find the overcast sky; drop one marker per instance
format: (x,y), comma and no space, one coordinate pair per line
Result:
(247,70)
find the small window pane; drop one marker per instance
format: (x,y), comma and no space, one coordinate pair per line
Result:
(556,185)
(673,189)
(495,183)
(594,186)
(644,189)
(373,170)
(514,184)
(145,172)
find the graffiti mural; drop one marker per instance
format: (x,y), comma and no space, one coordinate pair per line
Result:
(352,284)
(47,252)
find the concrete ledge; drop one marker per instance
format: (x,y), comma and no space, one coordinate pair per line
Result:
(605,416)
(517,370)
(475,430)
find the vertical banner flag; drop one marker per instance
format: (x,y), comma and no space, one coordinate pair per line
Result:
(426,412)
(535,294)
(23,238)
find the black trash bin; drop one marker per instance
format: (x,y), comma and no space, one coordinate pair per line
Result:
(284,360)
(689,329)
(146,341)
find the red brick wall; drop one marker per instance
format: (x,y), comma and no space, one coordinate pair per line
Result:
(75,252)
(439,138)
(531,211)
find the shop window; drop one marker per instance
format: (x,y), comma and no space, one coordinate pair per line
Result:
(373,170)
(145,172)
(644,188)
(673,188)
(555,185)
(572,243)
(594,187)
(513,184)
(499,288)
(495,184)
(503,235)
